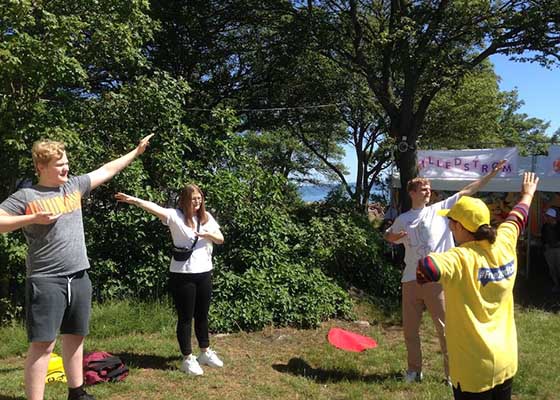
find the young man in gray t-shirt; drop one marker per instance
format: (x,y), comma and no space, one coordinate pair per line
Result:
(58,289)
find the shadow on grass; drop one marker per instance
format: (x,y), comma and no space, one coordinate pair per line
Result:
(4,397)
(299,367)
(9,371)
(148,361)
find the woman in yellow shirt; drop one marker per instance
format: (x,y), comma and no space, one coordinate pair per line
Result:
(478,278)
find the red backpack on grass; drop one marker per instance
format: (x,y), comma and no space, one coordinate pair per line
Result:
(101,366)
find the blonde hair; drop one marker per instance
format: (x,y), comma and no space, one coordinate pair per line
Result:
(416,183)
(185,204)
(45,150)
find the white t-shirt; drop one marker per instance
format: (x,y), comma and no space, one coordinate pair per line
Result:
(183,236)
(426,231)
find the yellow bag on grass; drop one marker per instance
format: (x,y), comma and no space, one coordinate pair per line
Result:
(55,372)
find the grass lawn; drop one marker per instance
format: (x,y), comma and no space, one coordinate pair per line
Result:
(280,363)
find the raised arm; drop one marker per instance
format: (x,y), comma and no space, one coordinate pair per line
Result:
(10,223)
(109,170)
(520,211)
(528,188)
(146,205)
(475,186)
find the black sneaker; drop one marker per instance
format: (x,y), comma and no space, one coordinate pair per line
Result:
(80,395)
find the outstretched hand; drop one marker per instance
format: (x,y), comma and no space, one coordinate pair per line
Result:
(144,142)
(125,198)
(45,218)
(499,167)
(529,184)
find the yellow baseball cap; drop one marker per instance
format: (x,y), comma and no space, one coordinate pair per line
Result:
(471,212)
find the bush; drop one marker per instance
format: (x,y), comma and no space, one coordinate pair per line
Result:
(265,275)
(253,210)
(13,251)
(347,247)
(284,295)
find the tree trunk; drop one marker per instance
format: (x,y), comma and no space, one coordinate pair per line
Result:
(407,163)
(408,169)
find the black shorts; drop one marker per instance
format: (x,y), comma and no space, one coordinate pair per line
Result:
(498,392)
(58,302)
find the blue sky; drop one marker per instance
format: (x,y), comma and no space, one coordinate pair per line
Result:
(538,87)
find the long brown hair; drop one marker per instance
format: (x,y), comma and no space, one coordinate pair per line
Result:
(185,204)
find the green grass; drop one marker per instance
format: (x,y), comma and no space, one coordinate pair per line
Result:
(280,363)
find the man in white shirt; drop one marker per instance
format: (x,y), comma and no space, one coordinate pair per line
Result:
(422,231)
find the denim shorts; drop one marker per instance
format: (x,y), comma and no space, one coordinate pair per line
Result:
(57,303)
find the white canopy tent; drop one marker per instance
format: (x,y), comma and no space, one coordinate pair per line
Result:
(445,171)
(536,164)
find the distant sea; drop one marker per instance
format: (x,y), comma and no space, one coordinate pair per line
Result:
(315,192)
(320,192)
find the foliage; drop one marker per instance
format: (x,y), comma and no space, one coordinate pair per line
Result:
(518,129)
(465,116)
(350,249)
(55,54)
(475,114)
(279,151)
(251,206)
(275,245)
(281,295)
(408,52)
(263,276)
(327,107)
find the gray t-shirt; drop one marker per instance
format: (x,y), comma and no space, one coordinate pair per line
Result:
(57,249)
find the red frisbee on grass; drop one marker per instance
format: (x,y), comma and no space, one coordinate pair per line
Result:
(350,341)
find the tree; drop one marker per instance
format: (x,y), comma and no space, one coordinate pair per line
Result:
(319,104)
(409,51)
(517,129)
(56,59)
(55,54)
(476,114)
(465,116)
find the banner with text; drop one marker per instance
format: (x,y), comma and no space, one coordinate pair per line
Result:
(471,163)
(550,166)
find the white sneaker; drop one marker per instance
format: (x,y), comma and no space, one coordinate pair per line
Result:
(413,376)
(191,366)
(209,357)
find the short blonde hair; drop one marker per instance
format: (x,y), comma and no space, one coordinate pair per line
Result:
(416,183)
(45,150)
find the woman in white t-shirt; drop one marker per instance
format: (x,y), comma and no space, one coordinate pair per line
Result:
(192,228)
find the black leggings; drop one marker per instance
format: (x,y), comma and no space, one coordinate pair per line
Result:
(499,392)
(191,295)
